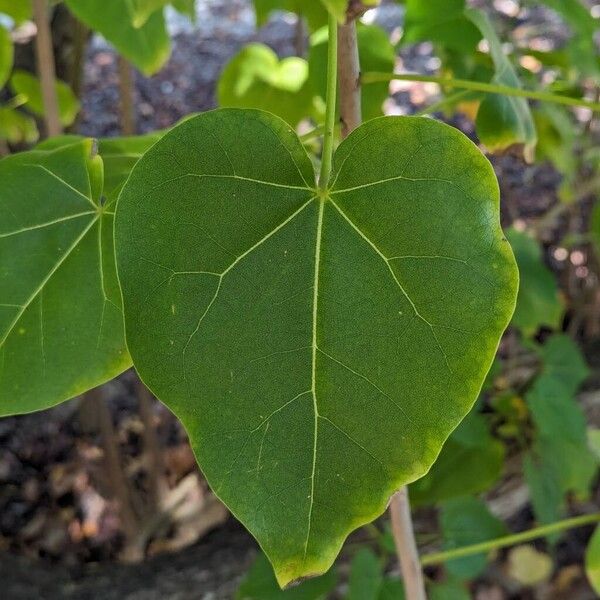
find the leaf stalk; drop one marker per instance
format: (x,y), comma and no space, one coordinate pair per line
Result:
(331,104)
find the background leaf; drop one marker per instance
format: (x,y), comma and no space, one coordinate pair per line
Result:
(256,78)
(18,10)
(61,325)
(147,47)
(503,121)
(466,521)
(28,85)
(538,303)
(592,560)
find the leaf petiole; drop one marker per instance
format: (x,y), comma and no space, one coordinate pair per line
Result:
(331,103)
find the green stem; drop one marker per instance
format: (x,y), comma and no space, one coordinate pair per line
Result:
(479,86)
(327,160)
(509,540)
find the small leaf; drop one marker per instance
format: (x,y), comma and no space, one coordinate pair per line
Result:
(528,566)
(18,10)
(543,480)
(29,87)
(467,521)
(256,78)
(6,56)
(147,47)
(260,584)
(366,576)
(538,303)
(306,339)
(314,12)
(503,121)
(61,325)
(376,54)
(16,127)
(592,560)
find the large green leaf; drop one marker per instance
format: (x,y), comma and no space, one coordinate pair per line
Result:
(29,87)
(503,121)
(6,56)
(256,78)
(147,46)
(376,54)
(61,324)
(539,303)
(319,347)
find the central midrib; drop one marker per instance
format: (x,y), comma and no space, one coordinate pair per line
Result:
(319,236)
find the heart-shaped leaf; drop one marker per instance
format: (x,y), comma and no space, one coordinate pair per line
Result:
(146,46)
(319,346)
(61,325)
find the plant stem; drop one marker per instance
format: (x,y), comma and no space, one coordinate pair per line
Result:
(46,68)
(332,59)
(510,540)
(479,86)
(406,546)
(126,96)
(349,77)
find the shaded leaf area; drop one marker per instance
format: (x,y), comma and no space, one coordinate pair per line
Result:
(466,521)
(279,293)
(471,461)
(147,46)
(442,22)
(61,330)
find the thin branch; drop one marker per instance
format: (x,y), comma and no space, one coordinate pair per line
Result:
(126,86)
(510,540)
(46,68)
(479,86)
(406,547)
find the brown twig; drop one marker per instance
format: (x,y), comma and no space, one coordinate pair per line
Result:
(46,68)
(126,86)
